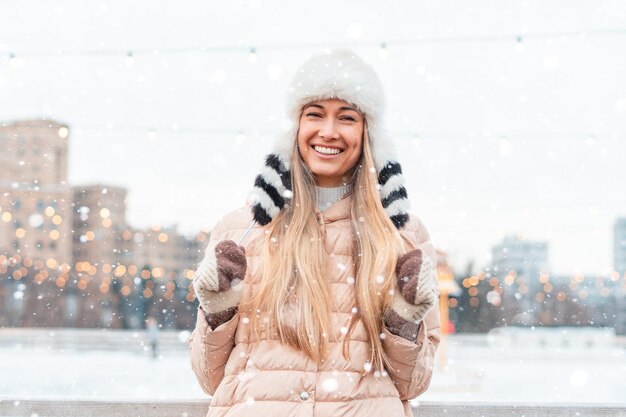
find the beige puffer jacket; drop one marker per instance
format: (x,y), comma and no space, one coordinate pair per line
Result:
(249,377)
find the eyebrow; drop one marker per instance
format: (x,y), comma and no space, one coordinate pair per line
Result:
(322,107)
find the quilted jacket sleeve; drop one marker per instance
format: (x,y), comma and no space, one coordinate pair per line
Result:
(411,363)
(210,350)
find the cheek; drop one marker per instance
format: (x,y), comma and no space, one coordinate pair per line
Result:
(303,148)
(355,152)
(304,134)
(301,141)
(357,140)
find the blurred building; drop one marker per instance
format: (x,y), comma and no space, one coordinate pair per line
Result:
(526,259)
(126,274)
(68,256)
(167,261)
(511,290)
(99,222)
(503,295)
(448,290)
(35,220)
(619,264)
(619,245)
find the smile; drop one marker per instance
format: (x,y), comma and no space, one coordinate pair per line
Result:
(327,151)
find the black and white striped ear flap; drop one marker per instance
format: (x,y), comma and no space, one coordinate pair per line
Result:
(272,190)
(393,194)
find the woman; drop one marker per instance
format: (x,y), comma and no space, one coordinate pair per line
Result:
(326,309)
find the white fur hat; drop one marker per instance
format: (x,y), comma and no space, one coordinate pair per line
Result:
(339,74)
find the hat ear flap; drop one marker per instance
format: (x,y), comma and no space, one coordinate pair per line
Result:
(393,195)
(272,189)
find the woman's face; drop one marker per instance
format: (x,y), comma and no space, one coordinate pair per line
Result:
(330,139)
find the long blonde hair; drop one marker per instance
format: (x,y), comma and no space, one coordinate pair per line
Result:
(294,291)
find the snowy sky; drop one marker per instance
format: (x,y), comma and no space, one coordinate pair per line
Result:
(494,137)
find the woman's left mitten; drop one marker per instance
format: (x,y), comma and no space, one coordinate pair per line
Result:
(415,294)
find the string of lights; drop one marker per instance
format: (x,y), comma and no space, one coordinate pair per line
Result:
(153,131)
(252,51)
(130,53)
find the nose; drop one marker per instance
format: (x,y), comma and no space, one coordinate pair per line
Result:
(328,130)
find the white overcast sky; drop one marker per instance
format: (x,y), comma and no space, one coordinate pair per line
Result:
(494,139)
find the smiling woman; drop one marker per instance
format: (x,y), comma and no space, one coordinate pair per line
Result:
(328,309)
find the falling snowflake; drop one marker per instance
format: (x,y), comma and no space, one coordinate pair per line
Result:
(35,220)
(183,336)
(330,384)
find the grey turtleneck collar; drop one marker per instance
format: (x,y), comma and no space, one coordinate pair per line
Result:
(327,196)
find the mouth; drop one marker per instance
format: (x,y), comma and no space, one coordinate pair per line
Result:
(326,150)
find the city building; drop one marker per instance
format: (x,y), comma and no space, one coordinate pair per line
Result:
(124,274)
(98,247)
(524,259)
(67,254)
(35,220)
(619,265)
(619,245)
(520,270)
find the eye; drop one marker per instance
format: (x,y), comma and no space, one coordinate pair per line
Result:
(313,114)
(348,118)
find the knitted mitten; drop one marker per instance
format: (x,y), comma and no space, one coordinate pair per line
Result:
(415,294)
(218,281)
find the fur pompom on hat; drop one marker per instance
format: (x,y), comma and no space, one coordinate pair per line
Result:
(339,74)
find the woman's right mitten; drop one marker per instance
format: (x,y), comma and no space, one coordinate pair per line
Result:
(218,281)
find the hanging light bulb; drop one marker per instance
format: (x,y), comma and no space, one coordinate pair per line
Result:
(383,52)
(519,44)
(130,59)
(252,57)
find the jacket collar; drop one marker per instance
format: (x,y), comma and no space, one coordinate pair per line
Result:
(339,210)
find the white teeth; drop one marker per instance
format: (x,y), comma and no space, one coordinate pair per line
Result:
(326,151)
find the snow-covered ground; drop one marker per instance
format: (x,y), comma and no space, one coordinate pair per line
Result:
(476,368)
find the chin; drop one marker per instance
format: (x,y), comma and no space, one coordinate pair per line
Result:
(326,174)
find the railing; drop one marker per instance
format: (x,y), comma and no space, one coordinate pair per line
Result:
(116,339)
(88,339)
(73,408)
